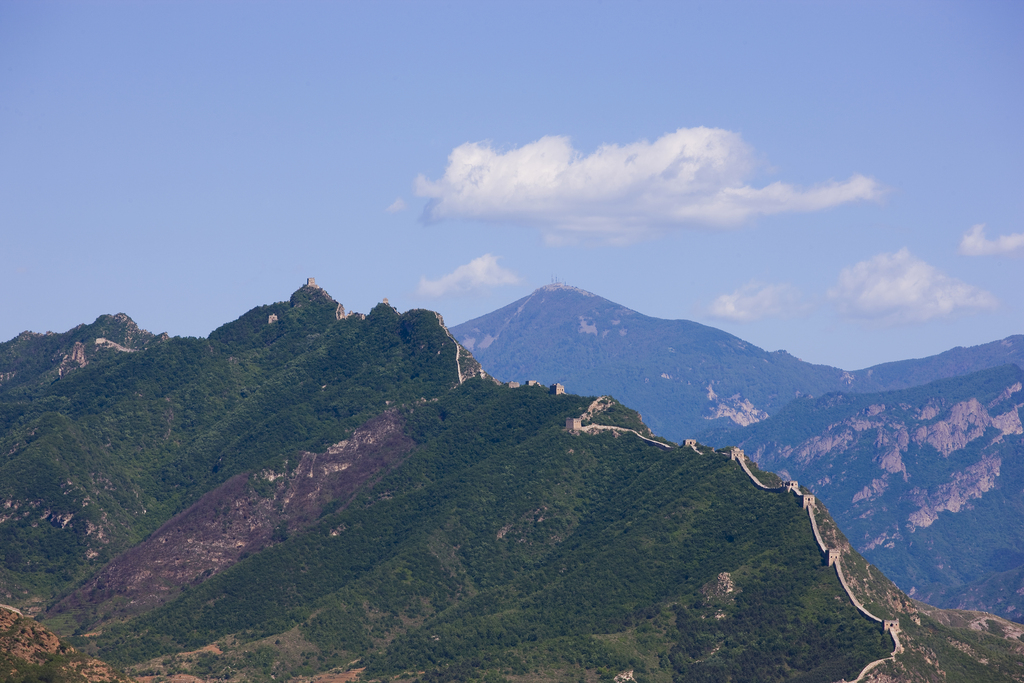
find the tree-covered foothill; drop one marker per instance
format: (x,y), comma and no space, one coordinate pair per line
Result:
(489,544)
(93,460)
(505,544)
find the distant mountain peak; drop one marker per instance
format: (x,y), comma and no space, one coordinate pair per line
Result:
(556,286)
(311,293)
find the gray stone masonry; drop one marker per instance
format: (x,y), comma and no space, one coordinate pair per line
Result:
(311,282)
(808,501)
(691,443)
(736,454)
(272,318)
(891,625)
(557,389)
(791,486)
(532,383)
(513,385)
(833,557)
(573,424)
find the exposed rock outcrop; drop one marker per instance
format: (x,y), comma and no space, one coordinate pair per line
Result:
(25,644)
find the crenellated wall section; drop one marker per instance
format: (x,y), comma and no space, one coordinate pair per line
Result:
(832,555)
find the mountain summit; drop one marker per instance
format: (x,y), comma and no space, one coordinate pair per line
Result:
(681,375)
(687,379)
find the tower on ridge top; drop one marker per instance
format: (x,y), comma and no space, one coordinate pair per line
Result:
(311,282)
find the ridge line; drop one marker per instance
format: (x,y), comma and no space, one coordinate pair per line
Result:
(889,626)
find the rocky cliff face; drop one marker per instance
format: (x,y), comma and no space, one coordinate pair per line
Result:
(28,651)
(925,482)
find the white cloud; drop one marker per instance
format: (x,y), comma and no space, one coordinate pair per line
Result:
(754,301)
(692,176)
(396,206)
(479,273)
(974,243)
(898,288)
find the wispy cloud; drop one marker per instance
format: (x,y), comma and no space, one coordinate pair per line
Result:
(754,301)
(694,176)
(974,243)
(396,206)
(899,288)
(478,274)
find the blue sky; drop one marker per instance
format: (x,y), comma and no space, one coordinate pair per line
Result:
(808,176)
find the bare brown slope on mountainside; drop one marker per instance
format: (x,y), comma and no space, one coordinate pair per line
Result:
(246,514)
(30,652)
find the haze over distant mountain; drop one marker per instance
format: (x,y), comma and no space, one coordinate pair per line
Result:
(684,377)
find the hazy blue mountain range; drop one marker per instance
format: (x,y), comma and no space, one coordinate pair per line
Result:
(684,377)
(926,482)
(306,491)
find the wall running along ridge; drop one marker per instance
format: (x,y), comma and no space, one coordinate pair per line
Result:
(571,426)
(890,626)
(458,367)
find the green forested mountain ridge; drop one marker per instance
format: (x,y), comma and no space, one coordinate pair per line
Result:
(684,377)
(97,457)
(506,547)
(320,492)
(926,481)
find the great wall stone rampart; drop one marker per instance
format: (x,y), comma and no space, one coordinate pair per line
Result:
(808,502)
(458,348)
(833,557)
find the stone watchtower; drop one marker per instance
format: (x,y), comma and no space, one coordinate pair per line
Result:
(513,385)
(791,486)
(736,454)
(891,625)
(689,443)
(272,318)
(833,557)
(557,389)
(311,282)
(808,501)
(573,424)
